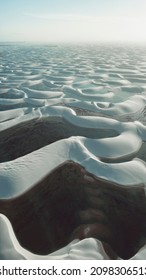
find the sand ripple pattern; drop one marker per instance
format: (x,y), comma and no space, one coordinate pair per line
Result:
(70,103)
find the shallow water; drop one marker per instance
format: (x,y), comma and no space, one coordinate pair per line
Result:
(79,103)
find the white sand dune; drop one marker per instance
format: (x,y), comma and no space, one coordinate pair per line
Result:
(130,109)
(37,94)
(98,90)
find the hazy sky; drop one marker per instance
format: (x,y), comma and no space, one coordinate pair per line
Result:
(72,20)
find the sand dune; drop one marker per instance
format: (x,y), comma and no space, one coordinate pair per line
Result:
(72,152)
(71,203)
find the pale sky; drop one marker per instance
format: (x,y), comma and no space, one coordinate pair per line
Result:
(73,20)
